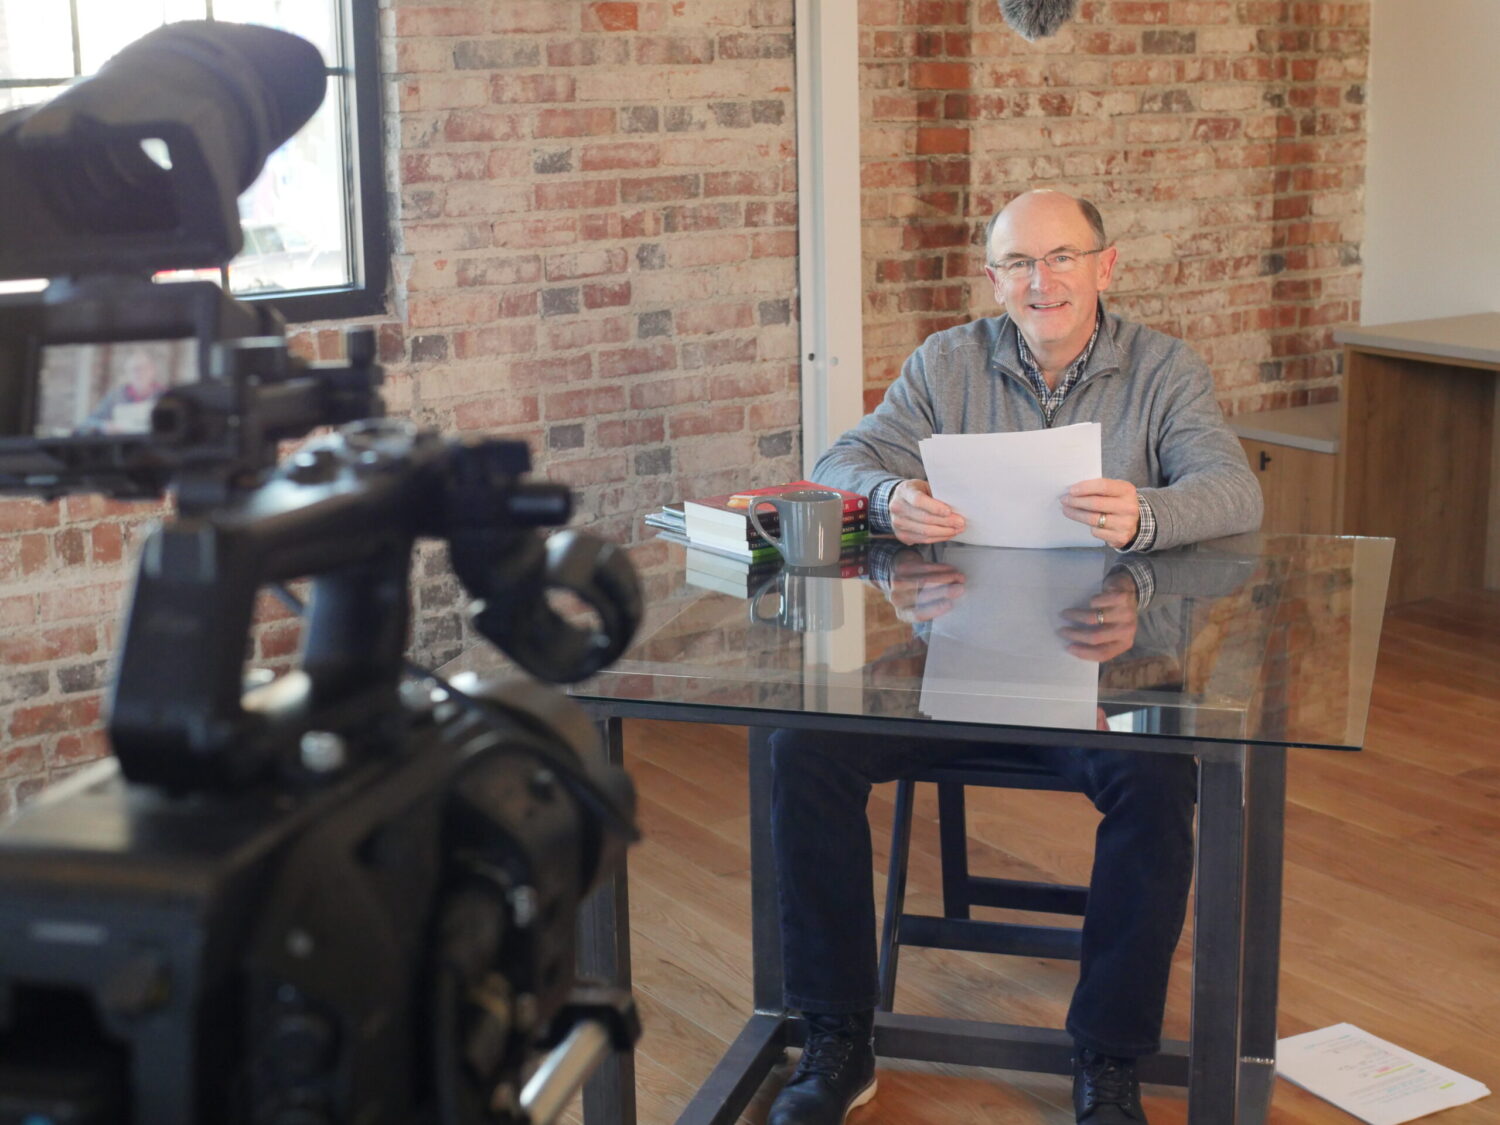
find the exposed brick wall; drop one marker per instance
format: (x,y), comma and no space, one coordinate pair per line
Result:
(63,579)
(1224,141)
(596,246)
(916,176)
(593,220)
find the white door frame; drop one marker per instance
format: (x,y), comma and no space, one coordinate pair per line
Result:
(830,273)
(830,291)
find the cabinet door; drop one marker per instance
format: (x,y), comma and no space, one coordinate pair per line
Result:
(1298,486)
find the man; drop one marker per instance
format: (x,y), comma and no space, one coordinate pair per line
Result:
(1174,475)
(126,408)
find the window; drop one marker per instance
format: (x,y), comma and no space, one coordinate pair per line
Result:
(314,222)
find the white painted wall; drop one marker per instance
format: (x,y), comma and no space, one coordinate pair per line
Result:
(1432,197)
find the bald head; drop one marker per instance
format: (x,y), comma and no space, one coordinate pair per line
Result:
(1039,202)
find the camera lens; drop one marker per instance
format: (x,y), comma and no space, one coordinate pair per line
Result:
(258,84)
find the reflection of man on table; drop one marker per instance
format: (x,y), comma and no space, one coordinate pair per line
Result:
(1025,648)
(1174,475)
(1092,627)
(1106,621)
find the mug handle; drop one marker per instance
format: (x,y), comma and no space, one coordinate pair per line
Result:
(765,588)
(755,519)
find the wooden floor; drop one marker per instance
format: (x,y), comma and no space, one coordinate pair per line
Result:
(1392,918)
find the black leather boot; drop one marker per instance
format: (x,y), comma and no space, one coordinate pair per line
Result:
(835,1074)
(1106,1090)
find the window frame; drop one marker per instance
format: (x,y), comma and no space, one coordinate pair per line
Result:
(365,208)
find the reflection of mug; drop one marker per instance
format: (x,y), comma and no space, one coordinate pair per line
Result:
(812,522)
(809,604)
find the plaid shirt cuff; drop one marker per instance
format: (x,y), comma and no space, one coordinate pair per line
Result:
(1145,581)
(880,506)
(880,561)
(1145,535)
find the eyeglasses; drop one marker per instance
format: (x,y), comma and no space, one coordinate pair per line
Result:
(1063,261)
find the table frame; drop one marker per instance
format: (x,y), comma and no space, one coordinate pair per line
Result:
(1228,1064)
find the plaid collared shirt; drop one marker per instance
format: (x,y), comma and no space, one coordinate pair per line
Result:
(1052,400)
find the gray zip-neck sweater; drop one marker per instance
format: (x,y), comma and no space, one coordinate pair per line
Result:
(1162,427)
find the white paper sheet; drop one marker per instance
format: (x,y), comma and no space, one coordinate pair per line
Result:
(1376,1081)
(997,658)
(1009,487)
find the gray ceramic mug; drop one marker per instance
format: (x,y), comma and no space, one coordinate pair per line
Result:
(808,603)
(812,524)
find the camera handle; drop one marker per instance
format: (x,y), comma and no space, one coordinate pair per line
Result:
(510,571)
(598,1022)
(179,716)
(345,510)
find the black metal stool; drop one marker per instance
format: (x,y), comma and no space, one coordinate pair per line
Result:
(961,890)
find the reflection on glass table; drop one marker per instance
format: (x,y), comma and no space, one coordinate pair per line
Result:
(1254,639)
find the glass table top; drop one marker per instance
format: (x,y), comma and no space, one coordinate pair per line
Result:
(1267,639)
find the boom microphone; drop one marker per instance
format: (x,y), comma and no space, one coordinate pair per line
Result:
(1037,19)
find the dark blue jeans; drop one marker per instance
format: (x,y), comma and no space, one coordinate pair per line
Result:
(1143,867)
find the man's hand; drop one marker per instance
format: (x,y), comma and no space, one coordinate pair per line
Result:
(917,518)
(1115,500)
(1106,627)
(922,590)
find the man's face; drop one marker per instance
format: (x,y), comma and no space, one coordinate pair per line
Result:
(1054,310)
(141,374)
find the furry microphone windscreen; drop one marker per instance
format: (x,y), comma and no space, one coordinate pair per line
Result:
(1036,19)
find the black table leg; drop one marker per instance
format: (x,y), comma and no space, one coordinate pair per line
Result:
(604,954)
(1265,815)
(1218,926)
(765,916)
(762,1043)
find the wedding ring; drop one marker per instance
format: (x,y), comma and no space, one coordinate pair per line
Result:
(1102,518)
(1098,617)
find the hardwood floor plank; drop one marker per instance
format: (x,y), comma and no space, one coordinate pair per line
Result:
(1412,819)
(1451,886)
(1401,668)
(1426,791)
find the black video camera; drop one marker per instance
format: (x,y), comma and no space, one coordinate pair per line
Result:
(347,894)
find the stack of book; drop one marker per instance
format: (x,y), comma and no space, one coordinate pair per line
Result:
(722,523)
(728,553)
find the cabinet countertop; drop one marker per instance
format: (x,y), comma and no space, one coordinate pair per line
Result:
(1315,428)
(1475,337)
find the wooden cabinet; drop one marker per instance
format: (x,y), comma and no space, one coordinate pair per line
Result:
(1298,486)
(1413,449)
(1294,455)
(1421,451)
